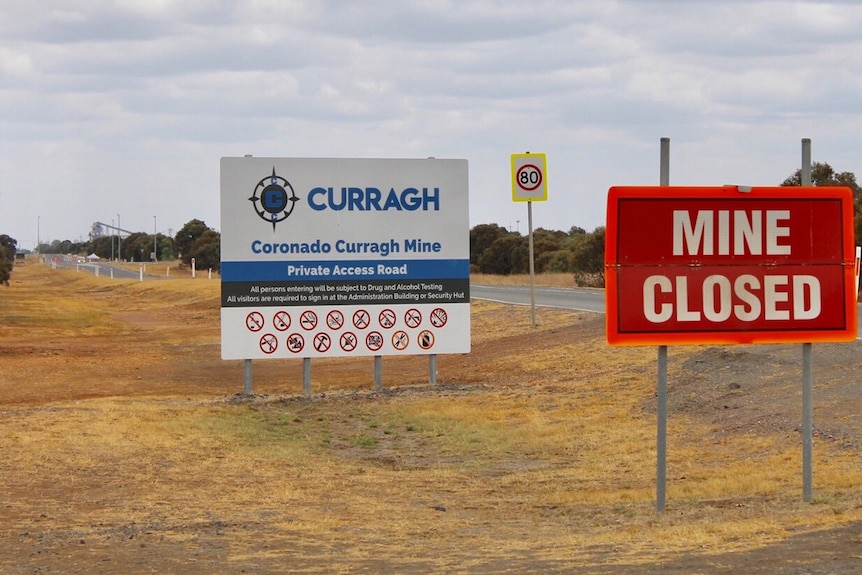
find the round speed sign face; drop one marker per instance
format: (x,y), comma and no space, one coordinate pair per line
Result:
(529,178)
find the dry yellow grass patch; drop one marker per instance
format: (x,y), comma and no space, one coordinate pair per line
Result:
(537,448)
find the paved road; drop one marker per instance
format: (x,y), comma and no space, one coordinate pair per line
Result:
(103,269)
(579,299)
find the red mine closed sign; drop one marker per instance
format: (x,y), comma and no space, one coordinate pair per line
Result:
(695,265)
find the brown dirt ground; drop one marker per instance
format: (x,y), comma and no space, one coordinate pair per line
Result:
(172,354)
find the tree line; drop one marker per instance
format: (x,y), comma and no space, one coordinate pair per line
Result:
(493,248)
(195,240)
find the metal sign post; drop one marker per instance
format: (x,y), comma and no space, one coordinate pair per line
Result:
(247,377)
(530,184)
(661,366)
(532,264)
(807,402)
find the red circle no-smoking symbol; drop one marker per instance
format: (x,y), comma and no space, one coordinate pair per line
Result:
(308,320)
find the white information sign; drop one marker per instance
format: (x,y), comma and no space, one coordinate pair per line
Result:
(327,257)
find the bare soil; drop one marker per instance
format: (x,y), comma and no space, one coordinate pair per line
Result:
(104,514)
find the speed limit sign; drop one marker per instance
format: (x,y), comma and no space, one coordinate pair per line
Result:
(529,178)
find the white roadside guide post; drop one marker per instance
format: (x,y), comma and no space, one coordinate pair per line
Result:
(730,265)
(530,184)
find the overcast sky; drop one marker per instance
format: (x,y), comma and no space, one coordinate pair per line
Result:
(123,107)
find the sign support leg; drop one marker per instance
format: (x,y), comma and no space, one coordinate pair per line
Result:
(246,389)
(661,432)
(378,373)
(661,427)
(532,269)
(432,369)
(807,402)
(807,426)
(306,376)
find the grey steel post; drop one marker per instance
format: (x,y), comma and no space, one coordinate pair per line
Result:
(246,388)
(378,373)
(661,432)
(807,383)
(532,269)
(661,396)
(432,369)
(664,160)
(807,426)
(306,376)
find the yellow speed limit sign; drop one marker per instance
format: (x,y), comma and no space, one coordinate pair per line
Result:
(529,178)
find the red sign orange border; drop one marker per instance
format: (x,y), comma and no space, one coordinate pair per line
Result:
(795,286)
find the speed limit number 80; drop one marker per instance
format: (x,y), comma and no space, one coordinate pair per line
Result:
(529,178)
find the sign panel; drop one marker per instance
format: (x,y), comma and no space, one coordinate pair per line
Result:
(529,178)
(330,257)
(695,265)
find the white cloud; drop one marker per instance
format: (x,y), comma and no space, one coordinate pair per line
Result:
(126,105)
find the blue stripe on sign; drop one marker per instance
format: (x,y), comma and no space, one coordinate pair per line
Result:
(344,270)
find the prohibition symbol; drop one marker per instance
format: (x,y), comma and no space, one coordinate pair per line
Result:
(386,318)
(374,340)
(268,343)
(335,319)
(361,319)
(281,320)
(322,341)
(400,339)
(438,317)
(308,320)
(529,177)
(412,317)
(254,321)
(295,342)
(348,341)
(426,339)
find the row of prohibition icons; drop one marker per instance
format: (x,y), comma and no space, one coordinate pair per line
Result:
(335,320)
(348,341)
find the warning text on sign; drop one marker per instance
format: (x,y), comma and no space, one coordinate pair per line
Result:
(243,294)
(711,265)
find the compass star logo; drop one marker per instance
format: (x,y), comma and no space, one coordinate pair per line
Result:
(273,199)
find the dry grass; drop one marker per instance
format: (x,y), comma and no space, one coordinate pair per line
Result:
(543,455)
